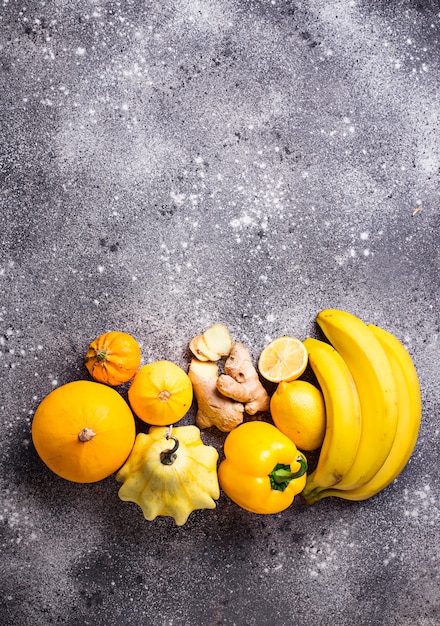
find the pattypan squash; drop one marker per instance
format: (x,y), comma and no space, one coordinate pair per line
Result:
(170,472)
(161,393)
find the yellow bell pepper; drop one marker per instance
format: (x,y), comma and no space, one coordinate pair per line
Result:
(262,470)
(170,474)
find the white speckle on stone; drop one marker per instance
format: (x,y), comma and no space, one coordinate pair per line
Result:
(420,494)
(244,220)
(178,198)
(80,51)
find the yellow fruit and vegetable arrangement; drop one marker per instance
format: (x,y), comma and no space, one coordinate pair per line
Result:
(359,421)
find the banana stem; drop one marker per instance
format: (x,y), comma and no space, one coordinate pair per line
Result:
(313,495)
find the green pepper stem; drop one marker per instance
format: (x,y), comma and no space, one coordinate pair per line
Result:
(282,475)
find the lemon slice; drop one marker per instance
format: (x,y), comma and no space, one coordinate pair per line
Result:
(283,359)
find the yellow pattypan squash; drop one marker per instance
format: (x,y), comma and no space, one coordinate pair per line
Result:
(170,474)
(161,393)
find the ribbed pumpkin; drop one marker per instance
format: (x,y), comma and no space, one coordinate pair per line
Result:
(113,358)
(83,431)
(161,393)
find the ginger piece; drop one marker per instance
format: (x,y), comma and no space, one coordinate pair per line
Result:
(214,409)
(241,381)
(214,343)
(200,350)
(218,339)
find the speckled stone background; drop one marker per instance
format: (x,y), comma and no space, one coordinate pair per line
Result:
(166,165)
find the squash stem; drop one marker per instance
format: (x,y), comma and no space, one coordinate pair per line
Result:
(167,457)
(101,355)
(86,434)
(164,396)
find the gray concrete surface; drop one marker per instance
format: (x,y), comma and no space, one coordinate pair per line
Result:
(166,165)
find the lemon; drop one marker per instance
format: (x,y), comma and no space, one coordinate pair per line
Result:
(298,411)
(284,358)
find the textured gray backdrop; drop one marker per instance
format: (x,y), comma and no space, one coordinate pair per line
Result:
(166,165)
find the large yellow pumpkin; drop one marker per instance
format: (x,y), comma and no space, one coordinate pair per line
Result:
(83,431)
(161,393)
(113,358)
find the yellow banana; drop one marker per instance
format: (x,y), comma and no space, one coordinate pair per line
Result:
(343,416)
(376,386)
(410,411)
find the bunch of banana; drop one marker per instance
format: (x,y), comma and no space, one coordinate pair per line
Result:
(373,408)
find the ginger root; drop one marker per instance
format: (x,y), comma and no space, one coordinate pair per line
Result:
(214,409)
(213,344)
(218,339)
(200,350)
(241,381)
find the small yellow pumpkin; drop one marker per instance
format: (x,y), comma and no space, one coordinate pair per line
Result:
(161,393)
(83,431)
(113,358)
(170,475)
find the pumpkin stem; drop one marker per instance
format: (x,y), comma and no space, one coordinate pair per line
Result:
(101,355)
(164,396)
(167,457)
(86,434)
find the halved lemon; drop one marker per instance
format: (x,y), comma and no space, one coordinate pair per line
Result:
(283,359)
